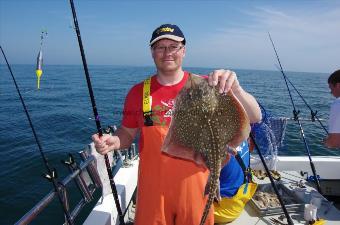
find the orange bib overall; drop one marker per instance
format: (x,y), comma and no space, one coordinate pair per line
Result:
(170,190)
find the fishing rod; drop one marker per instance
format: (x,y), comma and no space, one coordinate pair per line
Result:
(96,116)
(313,113)
(289,219)
(296,117)
(51,174)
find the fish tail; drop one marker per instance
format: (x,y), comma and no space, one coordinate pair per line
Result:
(211,196)
(207,208)
(214,175)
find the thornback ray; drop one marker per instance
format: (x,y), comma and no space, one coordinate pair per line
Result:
(203,124)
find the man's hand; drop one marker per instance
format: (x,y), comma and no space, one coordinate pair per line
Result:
(105,143)
(226,79)
(122,138)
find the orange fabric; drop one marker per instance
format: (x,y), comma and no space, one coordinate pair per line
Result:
(170,190)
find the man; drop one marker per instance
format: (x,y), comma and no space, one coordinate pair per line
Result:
(333,138)
(170,190)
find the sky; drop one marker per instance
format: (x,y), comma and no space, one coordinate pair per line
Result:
(219,34)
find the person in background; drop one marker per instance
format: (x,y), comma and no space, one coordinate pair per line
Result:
(236,185)
(170,190)
(333,138)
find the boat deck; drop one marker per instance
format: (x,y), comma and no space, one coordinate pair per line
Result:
(126,181)
(327,211)
(250,215)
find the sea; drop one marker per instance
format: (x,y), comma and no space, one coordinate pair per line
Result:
(62,116)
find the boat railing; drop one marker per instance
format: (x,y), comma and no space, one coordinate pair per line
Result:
(303,119)
(87,181)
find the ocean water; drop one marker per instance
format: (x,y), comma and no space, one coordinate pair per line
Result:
(62,116)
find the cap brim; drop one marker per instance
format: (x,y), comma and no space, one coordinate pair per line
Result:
(167,36)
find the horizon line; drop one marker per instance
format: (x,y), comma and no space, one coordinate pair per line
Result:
(114,65)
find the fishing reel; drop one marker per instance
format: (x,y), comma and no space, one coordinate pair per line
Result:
(310,178)
(296,114)
(313,115)
(110,129)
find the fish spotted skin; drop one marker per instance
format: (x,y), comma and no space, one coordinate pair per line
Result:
(206,121)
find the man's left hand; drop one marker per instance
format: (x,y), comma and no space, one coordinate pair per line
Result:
(226,79)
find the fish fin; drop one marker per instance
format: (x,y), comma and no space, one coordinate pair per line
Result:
(226,160)
(207,186)
(244,126)
(172,148)
(182,152)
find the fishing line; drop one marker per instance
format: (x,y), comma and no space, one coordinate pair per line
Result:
(51,172)
(289,219)
(296,117)
(96,116)
(36,91)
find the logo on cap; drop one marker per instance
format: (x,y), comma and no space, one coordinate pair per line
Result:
(165,29)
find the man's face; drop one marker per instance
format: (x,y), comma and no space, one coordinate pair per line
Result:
(168,55)
(335,89)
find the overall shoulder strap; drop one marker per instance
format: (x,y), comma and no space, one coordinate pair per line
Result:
(147,102)
(246,171)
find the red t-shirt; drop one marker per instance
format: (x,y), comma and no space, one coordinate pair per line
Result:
(162,103)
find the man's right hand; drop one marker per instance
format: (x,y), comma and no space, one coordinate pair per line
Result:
(105,143)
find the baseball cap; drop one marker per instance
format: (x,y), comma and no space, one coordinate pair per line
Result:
(167,31)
